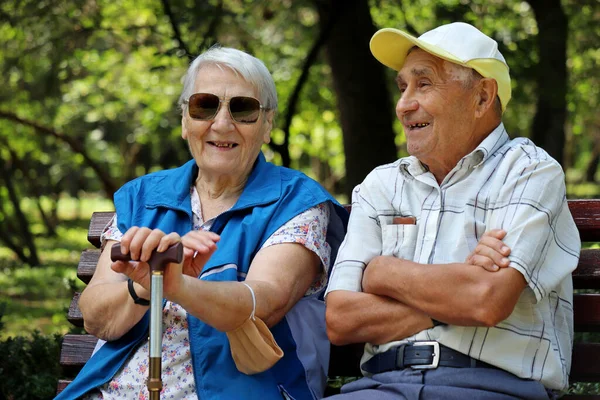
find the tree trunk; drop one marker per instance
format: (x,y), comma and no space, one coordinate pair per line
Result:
(592,167)
(25,234)
(14,247)
(49,224)
(366,110)
(549,122)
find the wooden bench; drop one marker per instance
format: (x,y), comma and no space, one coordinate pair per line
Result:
(77,349)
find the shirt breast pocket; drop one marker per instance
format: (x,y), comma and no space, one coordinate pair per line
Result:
(474,230)
(399,240)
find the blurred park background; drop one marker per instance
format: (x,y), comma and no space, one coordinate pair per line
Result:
(88,101)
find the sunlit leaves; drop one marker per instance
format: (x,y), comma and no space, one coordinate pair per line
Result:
(108,73)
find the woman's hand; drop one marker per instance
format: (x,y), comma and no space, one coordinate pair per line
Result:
(490,253)
(198,246)
(139,243)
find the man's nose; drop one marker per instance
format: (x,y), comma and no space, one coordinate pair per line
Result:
(406,104)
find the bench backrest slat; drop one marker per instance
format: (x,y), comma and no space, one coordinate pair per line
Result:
(87,264)
(97,224)
(586,312)
(586,214)
(585,366)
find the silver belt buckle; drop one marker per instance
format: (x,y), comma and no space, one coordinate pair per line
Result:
(436,355)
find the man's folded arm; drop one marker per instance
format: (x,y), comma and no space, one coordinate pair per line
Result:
(457,294)
(357,317)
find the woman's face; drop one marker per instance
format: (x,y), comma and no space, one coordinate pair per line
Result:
(221,146)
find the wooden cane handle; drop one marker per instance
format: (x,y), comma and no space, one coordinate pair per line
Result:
(157,261)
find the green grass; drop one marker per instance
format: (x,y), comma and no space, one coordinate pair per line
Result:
(38,297)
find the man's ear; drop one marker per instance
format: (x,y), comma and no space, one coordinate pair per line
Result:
(487,90)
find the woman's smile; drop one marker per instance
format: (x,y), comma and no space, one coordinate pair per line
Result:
(222,145)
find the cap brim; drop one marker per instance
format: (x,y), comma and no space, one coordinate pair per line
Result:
(390,46)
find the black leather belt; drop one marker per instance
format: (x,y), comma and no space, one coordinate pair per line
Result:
(420,355)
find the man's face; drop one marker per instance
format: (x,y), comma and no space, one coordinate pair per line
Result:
(437,111)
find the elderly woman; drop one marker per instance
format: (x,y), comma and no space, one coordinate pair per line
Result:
(258,241)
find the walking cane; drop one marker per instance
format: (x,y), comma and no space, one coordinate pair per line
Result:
(157,263)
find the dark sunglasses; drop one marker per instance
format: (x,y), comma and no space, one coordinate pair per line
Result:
(205,106)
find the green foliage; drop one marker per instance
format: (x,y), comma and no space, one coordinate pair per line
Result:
(38,298)
(584,388)
(29,367)
(107,75)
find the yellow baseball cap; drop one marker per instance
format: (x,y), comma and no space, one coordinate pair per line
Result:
(458,42)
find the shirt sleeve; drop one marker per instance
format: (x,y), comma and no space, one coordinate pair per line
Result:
(362,242)
(310,230)
(532,208)
(111,231)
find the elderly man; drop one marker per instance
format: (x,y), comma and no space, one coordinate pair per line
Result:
(456,268)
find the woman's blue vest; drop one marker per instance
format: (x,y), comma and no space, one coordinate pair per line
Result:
(272,196)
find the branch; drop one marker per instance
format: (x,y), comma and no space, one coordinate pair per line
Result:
(176,33)
(76,146)
(295,96)
(14,247)
(210,32)
(409,27)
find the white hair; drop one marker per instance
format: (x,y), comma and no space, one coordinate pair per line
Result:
(460,73)
(248,67)
(468,77)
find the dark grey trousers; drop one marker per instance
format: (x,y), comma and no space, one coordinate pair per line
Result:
(444,383)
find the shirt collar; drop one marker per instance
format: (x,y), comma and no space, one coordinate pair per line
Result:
(412,167)
(488,147)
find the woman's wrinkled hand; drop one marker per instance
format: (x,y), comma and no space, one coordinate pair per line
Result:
(490,253)
(198,246)
(139,243)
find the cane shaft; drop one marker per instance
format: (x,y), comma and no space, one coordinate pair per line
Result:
(154,379)
(157,264)
(156,300)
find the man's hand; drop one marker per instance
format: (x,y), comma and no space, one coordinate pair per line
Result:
(375,273)
(490,253)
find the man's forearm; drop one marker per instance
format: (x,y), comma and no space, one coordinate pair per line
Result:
(458,294)
(356,317)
